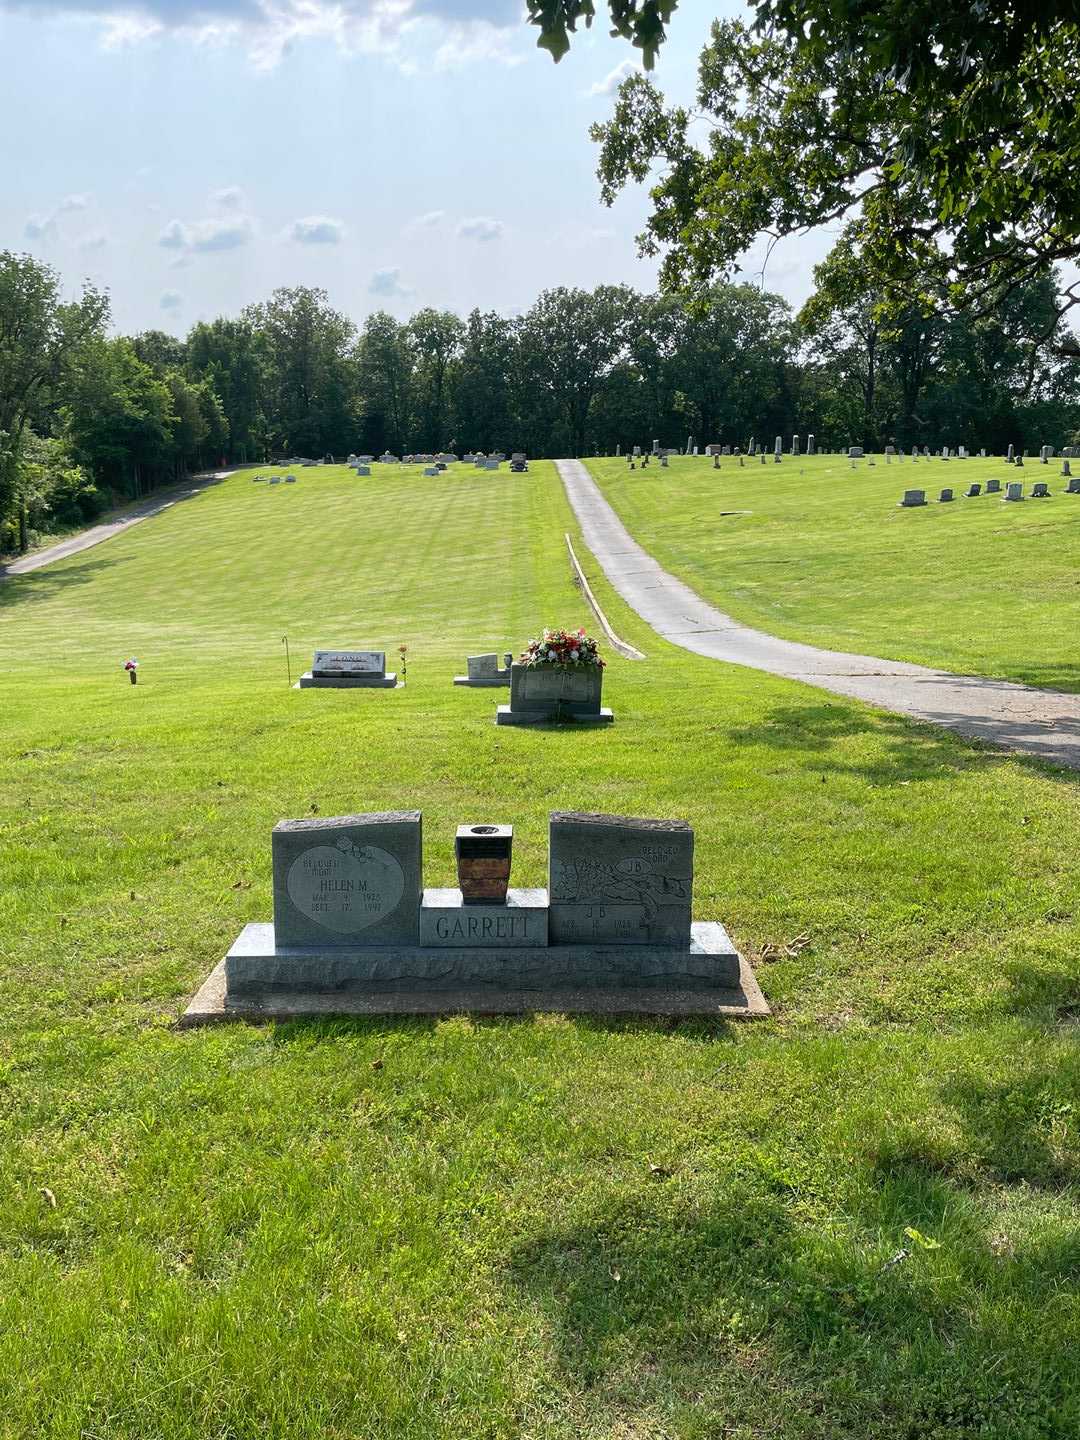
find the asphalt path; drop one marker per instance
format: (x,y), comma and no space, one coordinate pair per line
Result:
(1045,723)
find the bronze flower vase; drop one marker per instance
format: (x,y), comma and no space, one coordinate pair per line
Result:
(483,854)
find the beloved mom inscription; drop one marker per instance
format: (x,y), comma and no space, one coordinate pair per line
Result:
(346,887)
(353,880)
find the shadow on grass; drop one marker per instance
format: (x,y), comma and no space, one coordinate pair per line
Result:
(761,1305)
(913,750)
(701,1029)
(44,584)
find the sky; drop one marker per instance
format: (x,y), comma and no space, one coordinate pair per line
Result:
(192,155)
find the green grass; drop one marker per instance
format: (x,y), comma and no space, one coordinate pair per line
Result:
(817,551)
(856,1219)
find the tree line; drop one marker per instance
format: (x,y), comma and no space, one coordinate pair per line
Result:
(88,418)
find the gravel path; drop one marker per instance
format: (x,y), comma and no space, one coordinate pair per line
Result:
(1045,723)
(122,520)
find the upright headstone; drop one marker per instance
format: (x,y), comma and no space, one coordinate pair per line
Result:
(620,880)
(973,489)
(347,670)
(778,447)
(855,452)
(945,496)
(810,445)
(1040,490)
(993,487)
(794,444)
(350,881)
(1014,490)
(913,498)
(1009,456)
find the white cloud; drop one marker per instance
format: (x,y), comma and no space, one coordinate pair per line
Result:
(205,237)
(614,78)
(387,284)
(480,227)
(171,300)
(230,197)
(455,32)
(74,202)
(427,221)
(316,230)
(40,227)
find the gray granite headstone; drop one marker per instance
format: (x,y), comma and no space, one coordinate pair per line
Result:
(352,880)
(1040,490)
(483,667)
(993,487)
(913,498)
(1014,490)
(617,880)
(945,496)
(973,489)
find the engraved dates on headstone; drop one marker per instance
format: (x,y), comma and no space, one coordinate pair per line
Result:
(618,880)
(350,880)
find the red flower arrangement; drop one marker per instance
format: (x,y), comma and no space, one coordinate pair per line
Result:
(572,649)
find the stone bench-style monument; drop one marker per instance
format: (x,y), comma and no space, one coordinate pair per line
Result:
(348,670)
(355,932)
(484,671)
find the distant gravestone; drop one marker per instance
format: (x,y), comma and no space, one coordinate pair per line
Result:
(993,487)
(1019,462)
(1009,456)
(1073,487)
(363,469)
(855,452)
(1040,490)
(620,880)
(430,470)
(348,670)
(945,497)
(913,498)
(810,445)
(354,880)
(973,489)
(1045,454)
(1014,490)
(1065,468)
(794,444)
(778,445)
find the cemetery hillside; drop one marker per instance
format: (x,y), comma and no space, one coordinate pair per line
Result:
(539,720)
(854,1218)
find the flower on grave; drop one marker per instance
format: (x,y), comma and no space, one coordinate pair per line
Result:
(567,648)
(131,665)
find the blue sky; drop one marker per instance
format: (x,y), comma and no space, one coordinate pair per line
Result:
(191,155)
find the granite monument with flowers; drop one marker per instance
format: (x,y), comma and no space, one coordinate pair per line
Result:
(558,677)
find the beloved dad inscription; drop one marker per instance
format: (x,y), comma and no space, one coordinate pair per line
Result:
(350,880)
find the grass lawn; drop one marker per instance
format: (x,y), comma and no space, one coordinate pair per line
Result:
(814,550)
(858,1219)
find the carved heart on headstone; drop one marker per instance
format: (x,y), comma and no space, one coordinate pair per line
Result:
(346,890)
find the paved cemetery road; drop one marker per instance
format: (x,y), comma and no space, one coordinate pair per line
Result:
(121,520)
(1044,723)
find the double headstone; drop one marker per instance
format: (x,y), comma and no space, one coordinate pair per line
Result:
(348,670)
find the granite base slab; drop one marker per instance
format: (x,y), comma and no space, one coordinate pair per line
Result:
(506,716)
(256,964)
(309,681)
(212,1006)
(482,682)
